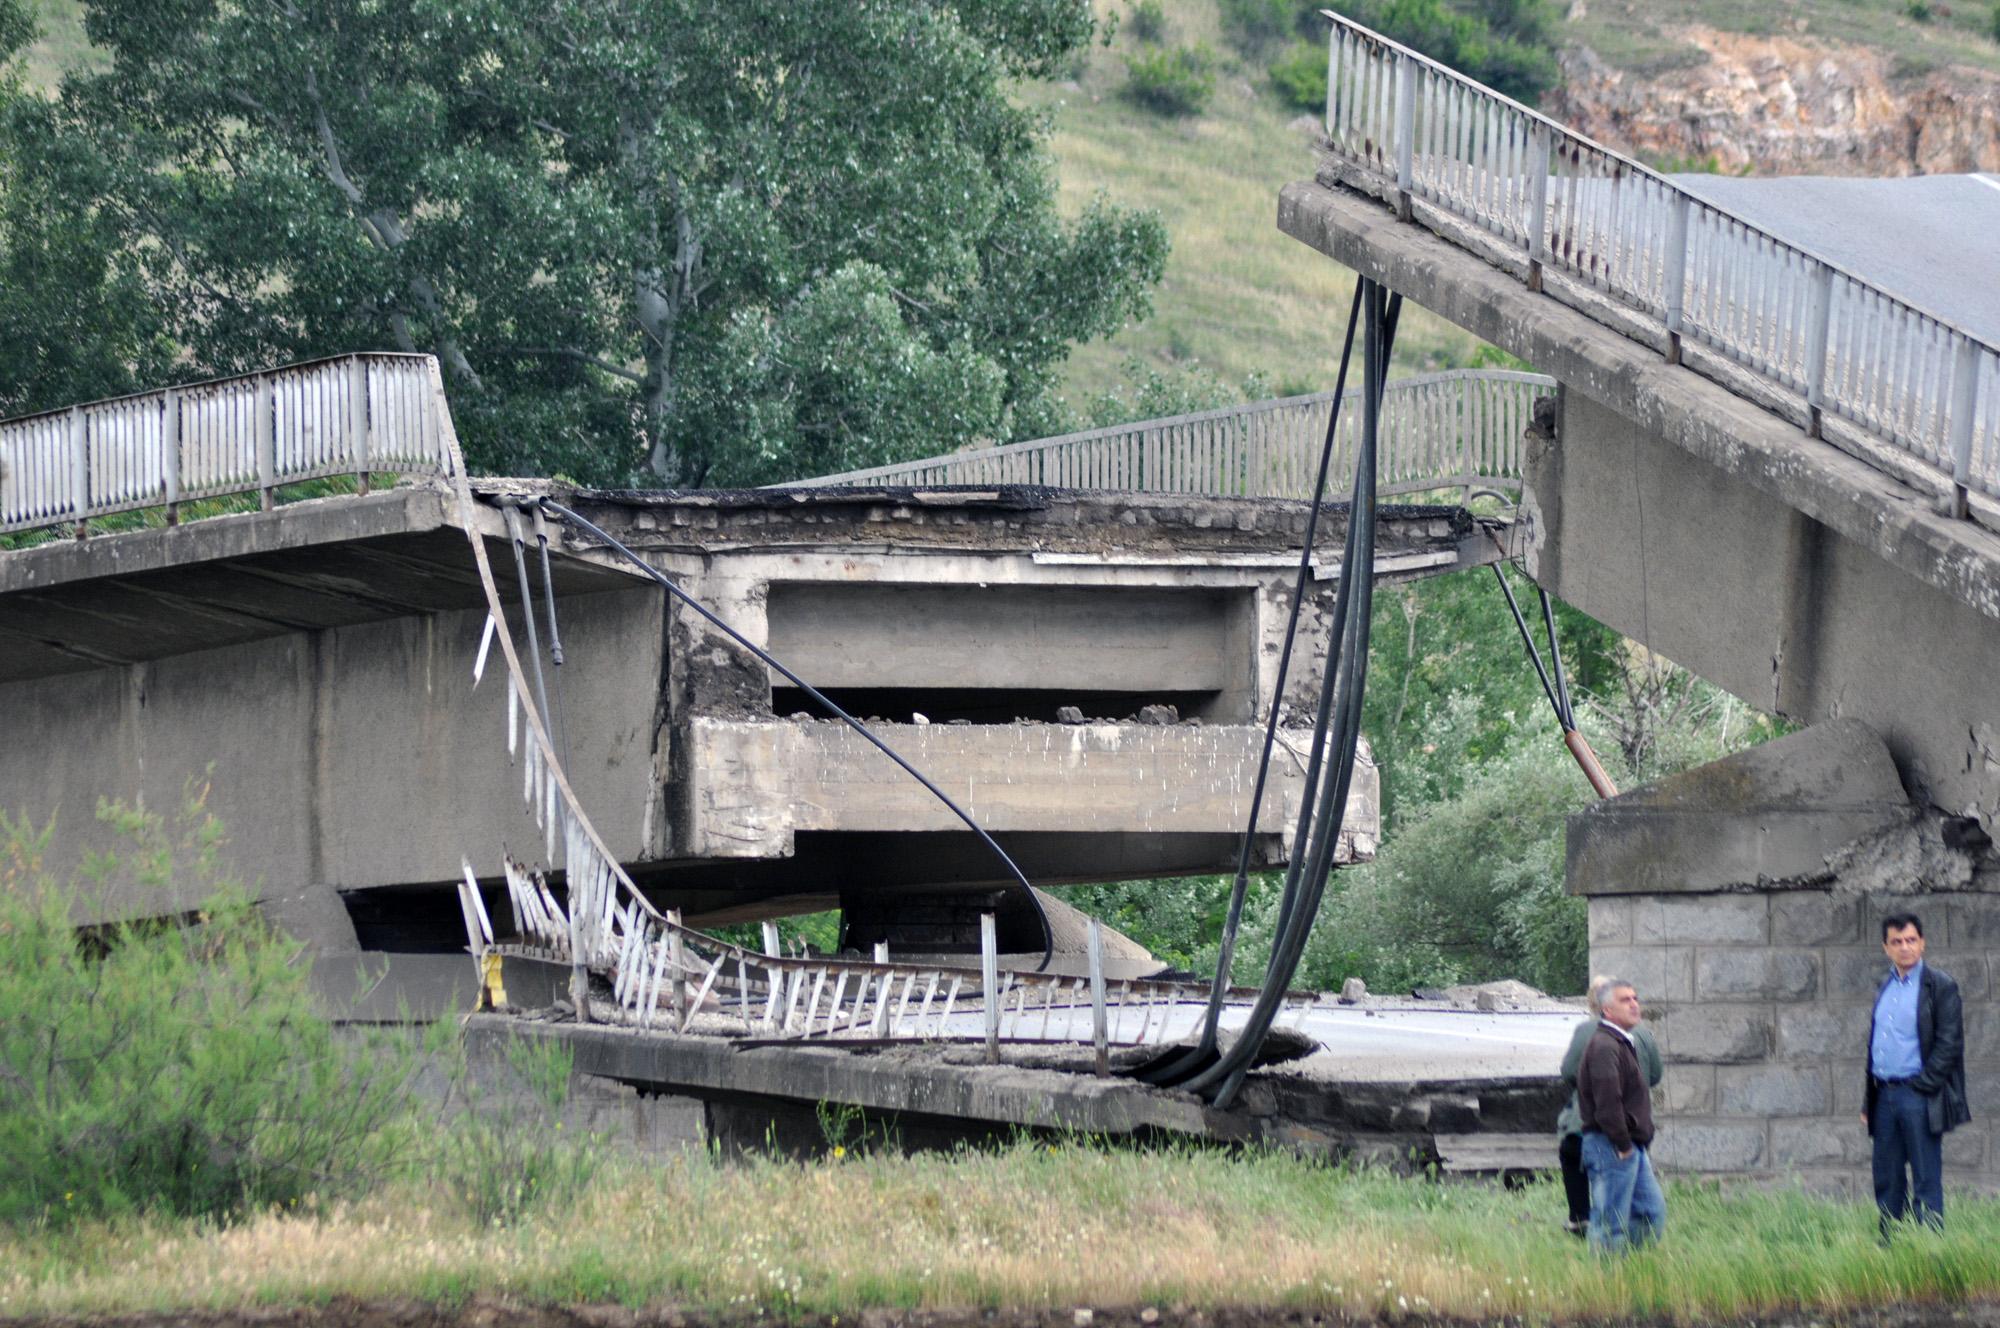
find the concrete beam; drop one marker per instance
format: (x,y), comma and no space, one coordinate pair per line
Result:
(1773,813)
(756,784)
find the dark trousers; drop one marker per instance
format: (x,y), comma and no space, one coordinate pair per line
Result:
(1576,1185)
(1903,1139)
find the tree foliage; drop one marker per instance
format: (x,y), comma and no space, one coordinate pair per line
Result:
(730,243)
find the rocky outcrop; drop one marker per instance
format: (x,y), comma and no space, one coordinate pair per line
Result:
(1786,106)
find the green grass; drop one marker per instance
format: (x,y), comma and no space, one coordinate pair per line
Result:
(1028,1226)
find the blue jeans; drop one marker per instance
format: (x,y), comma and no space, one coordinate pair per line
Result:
(1903,1138)
(1627,1206)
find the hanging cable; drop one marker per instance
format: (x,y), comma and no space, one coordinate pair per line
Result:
(513,516)
(1336,731)
(563,513)
(1556,689)
(1178,1063)
(555,635)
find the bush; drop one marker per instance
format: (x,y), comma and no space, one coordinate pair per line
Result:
(1300,76)
(507,1155)
(1172,80)
(1257,25)
(174,1064)
(1148,20)
(1509,45)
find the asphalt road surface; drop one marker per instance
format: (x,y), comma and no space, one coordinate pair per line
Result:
(1932,241)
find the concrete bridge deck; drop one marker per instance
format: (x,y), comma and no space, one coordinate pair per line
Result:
(318,658)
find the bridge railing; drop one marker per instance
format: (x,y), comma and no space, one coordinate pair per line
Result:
(1412,130)
(1445,430)
(353,414)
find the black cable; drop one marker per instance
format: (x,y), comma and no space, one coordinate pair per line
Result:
(1034,901)
(1181,1063)
(1341,695)
(1556,662)
(1534,653)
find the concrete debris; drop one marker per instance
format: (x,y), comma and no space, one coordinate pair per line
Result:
(1082,1318)
(1352,990)
(1928,851)
(1159,714)
(919,717)
(1069,715)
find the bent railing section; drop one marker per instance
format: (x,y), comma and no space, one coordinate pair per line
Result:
(354,414)
(1576,218)
(1456,429)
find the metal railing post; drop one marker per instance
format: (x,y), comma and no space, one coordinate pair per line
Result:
(1819,309)
(1964,402)
(676,956)
(1332,74)
(1405,136)
(79,471)
(1538,204)
(170,454)
(265,443)
(1675,276)
(1097,1033)
(357,421)
(989,985)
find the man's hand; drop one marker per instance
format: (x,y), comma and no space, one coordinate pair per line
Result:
(1622,1156)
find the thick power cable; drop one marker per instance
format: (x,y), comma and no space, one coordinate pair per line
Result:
(1180,1063)
(1324,798)
(1028,891)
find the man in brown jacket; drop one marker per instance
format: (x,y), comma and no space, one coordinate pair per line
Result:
(1627,1206)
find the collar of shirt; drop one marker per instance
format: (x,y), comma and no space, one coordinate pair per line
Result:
(1916,971)
(1620,1032)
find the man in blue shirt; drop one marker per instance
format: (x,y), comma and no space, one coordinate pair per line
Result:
(1916,1076)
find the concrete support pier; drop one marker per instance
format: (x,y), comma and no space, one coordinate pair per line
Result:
(1744,899)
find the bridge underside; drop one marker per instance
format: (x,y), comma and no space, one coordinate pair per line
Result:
(1085,673)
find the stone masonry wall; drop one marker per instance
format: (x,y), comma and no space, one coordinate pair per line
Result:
(1761,1003)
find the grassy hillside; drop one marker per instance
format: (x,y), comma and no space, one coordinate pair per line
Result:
(1239,296)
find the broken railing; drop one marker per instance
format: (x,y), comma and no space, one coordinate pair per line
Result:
(351,415)
(1455,430)
(665,975)
(1590,227)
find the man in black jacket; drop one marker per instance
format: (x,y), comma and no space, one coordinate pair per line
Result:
(1626,1202)
(1916,1076)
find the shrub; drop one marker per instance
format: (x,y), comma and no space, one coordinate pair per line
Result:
(1257,25)
(1148,20)
(1300,76)
(174,1064)
(1509,45)
(508,1155)
(1172,80)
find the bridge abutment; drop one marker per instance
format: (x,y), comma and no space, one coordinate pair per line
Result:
(1744,900)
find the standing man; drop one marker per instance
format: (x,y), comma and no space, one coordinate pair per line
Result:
(1626,1203)
(1569,1124)
(1916,1076)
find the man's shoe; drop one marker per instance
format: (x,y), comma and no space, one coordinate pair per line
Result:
(1577,1229)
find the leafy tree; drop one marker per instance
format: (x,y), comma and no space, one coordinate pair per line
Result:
(77,324)
(728,243)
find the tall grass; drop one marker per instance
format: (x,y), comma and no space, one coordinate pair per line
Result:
(1028,1226)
